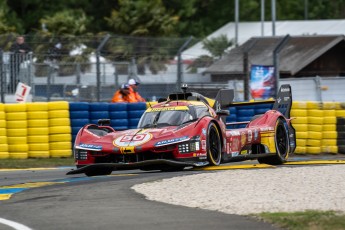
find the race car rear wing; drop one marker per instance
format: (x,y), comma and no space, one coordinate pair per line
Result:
(225,97)
(282,103)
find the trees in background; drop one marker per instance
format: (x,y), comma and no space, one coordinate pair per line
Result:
(158,17)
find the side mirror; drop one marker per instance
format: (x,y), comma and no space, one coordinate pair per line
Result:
(103,122)
(223,112)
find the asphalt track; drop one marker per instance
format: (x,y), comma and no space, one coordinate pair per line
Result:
(48,199)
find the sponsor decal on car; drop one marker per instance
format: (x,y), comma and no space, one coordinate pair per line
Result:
(167,109)
(91,146)
(243,138)
(234,154)
(203,131)
(132,140)
(234,133)
(250,135)
(256,134)
(171,141)
(203,144)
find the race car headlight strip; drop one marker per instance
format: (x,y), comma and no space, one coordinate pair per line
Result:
(188,147)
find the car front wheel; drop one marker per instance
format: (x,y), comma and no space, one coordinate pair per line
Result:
(214,146)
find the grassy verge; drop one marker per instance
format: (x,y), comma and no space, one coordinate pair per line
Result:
(308,220)
(35,163)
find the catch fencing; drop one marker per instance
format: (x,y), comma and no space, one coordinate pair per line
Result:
(90,69)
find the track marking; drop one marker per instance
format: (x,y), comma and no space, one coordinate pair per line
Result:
(315,162)
(225,167)
(14,225)
(8,190)
(26,169)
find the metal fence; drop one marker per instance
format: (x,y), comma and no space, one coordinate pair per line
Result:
(93,68)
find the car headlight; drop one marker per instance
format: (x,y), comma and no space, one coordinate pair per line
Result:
(190,146)
(80,154)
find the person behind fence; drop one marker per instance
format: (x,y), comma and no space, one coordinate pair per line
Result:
(55,54)
(122,94)
(19,51)
(134,90)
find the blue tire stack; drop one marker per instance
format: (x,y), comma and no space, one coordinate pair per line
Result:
(79,116)
(98,110)
(232,117)
(135,110)
(118,116)
(263,108)
(245,113)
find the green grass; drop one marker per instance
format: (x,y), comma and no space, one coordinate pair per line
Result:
(35,163)
(308,220)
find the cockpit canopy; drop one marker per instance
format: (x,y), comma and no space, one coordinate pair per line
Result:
(172,116)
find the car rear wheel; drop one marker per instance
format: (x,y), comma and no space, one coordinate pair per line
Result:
(281,143)
(214,146)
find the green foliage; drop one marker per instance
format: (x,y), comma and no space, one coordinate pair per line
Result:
(217,45)
(142,18)
(67,22)
(308,220)
(201,62)
(7,19)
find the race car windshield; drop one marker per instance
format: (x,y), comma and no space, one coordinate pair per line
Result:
(164,118)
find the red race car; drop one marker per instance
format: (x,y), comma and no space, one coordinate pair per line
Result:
(188,129)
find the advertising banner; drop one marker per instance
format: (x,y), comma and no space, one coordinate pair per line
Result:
(262,81)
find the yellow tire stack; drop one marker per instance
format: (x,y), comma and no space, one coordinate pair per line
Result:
(59,129)
(3,134)
(16,124)
(329,130)
(38,130)
(300,123)
(315,124)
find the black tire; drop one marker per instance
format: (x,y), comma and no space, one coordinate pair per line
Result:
(281,143)
(213,145)
(99,172)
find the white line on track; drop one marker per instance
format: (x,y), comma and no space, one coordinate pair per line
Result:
(14,225)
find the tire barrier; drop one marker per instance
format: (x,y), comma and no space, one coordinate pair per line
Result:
(38,129)
(79,116)
(3,134)
(324,124)
(135,110)
(59,129)
(16,118)
(245,113)
(48,129)
(118,113)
